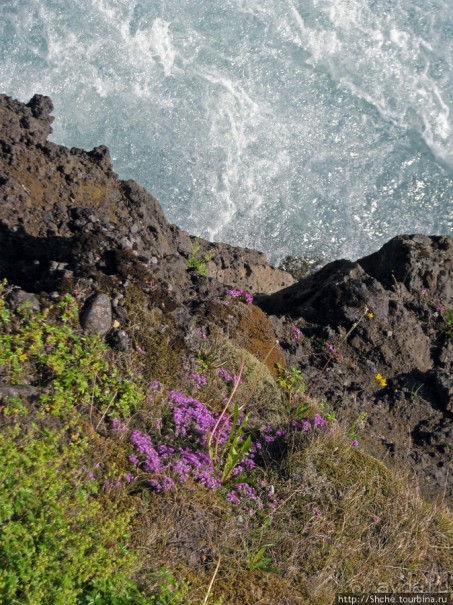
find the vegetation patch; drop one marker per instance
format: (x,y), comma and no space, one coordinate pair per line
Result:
(124,471)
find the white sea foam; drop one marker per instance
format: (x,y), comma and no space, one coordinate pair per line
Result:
(297,126)
(162,45)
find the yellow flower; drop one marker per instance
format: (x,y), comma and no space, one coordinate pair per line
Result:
(382,381)
(370,315)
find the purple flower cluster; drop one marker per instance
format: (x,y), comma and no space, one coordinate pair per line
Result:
(155,384)
(192,418)
(116,483)
(241,295)
(248,462)
(96,473)
(271,433)
(118,426)
(294,333)
(319,421)
(199,380)
(332,351)
(143,445)
(170,466)
(199,448)
(227,377)
(252,499)
(193,423)
(305,425)
(165,483)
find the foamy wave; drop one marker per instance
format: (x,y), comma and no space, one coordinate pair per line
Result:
(162,45)
(293,126)
(378,58)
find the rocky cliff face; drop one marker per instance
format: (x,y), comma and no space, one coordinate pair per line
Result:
(386,314)
(67,223)
(65,214)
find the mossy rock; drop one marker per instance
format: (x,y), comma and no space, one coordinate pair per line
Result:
(160,345)
(259,392)
(250,329)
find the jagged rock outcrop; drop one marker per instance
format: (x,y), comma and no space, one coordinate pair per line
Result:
(384,314)
(65,214)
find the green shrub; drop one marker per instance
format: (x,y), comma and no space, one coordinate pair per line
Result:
(73,369)
(198,262)
(61,531)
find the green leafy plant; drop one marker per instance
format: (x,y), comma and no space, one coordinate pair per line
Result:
(416,391)
(327,411)
(260,562)
(209,356)
(56,538)
(293,384)
(198,262)
(169,592)
(236,447)
(446,323)
(290,379)
(357,426)
(4,311)
(14,406)
(74,369)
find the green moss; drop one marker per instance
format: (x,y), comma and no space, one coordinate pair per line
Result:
(154,334)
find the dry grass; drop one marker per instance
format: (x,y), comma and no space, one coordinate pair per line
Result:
(350,524)
(345,523)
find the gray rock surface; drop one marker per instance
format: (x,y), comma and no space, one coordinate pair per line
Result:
(96,318)
(18,298)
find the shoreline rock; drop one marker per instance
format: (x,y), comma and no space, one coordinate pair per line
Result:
(55,200)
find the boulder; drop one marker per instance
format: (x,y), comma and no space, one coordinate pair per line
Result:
(18,298)
(96,317)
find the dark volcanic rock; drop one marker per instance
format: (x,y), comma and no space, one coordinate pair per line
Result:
(68,206)
(414,263)
(444,385)
(335,294)
(18,297)
(96,318)
(382,315)
(119,340)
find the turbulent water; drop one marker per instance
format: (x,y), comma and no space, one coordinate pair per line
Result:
(298,127)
